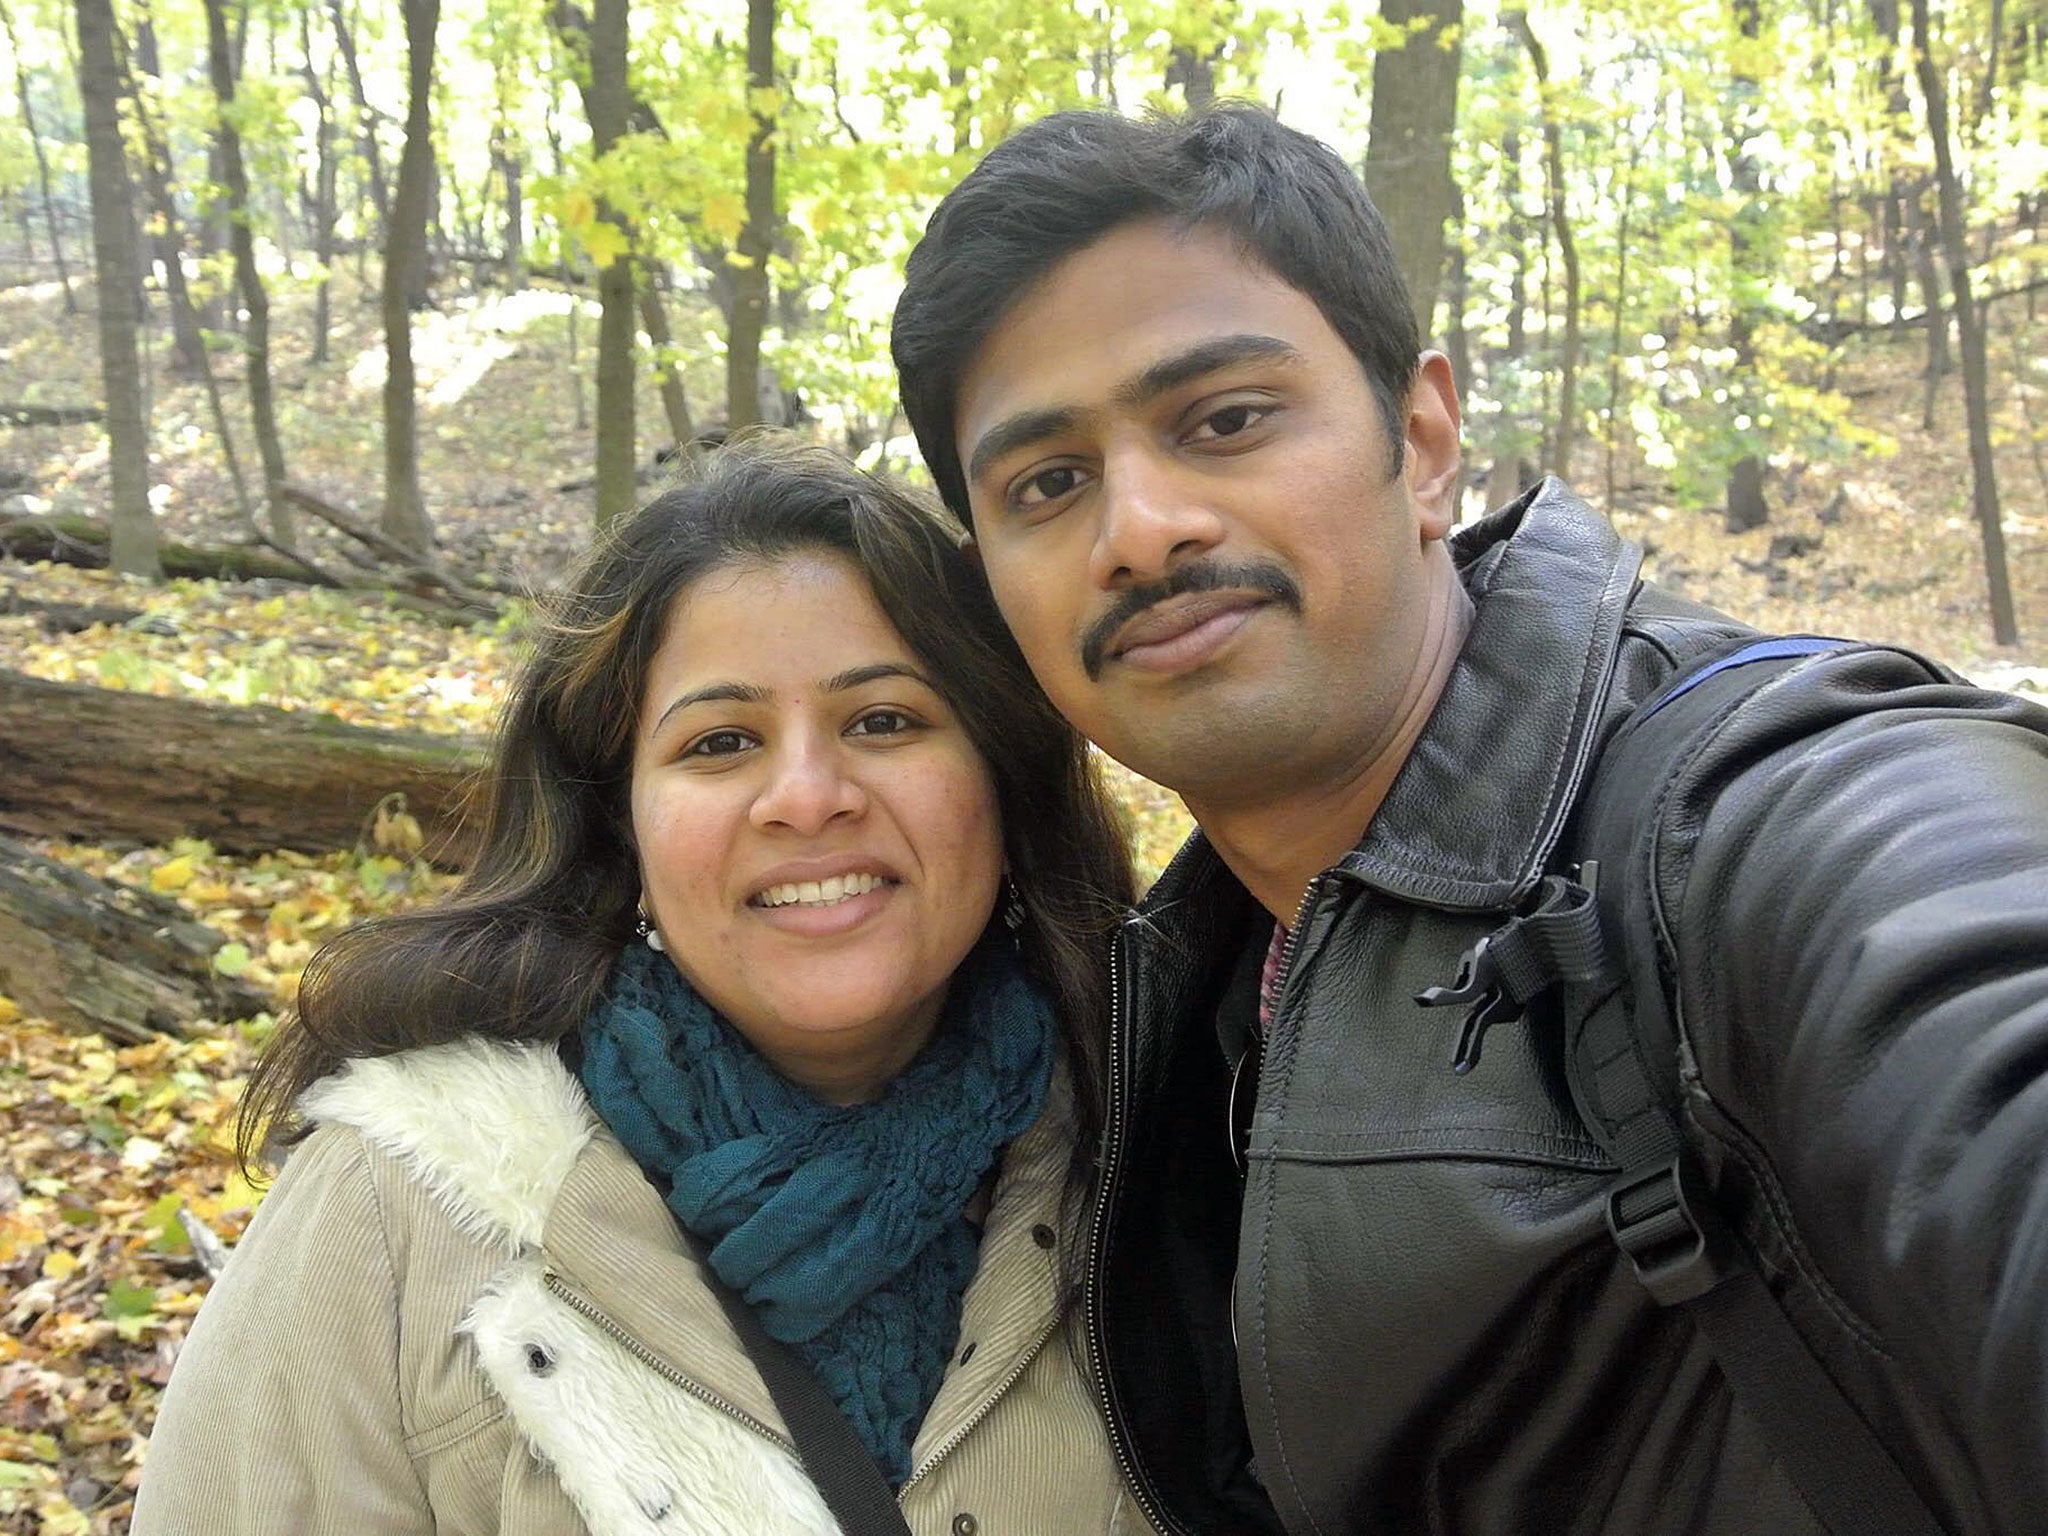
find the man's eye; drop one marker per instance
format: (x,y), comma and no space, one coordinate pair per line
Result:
(718,744)
(1229,421)
(882,722)
(1048,485)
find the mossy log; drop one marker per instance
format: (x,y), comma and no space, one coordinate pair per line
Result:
(94,763)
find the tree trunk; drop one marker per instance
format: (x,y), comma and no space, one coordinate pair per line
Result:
(366,120)
(1615,415)
(323,210)
(187,332)
(405,253)
(1568,251)
(748,265)
(1745,506)
(117,263)
(1970,333)
(248,281)
(97,955)
(185,315)
(605,104)
(668,371)
(28,121)
(84,762)
(1408,156)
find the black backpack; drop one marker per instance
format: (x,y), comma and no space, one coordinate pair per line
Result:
(1592,938)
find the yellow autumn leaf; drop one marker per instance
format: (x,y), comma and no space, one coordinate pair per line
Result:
(764,101)
(60,1264)
(725,216)
(10,1011)
(579,210)
(172,875)
(605,242)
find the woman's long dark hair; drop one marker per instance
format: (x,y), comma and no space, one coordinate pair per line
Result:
(523,947)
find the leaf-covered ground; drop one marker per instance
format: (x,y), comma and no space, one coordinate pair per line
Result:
(105,1147)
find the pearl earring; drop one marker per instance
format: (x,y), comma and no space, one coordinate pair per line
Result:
(645,929)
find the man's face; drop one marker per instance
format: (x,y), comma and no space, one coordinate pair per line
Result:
(1184,499)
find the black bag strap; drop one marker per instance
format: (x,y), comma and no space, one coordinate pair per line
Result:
(1622,1061)
(845,1474)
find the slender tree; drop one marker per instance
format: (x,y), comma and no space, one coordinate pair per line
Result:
(405,256)
(1745,506)
(1566,431)
(366,116)
(1970,331)
(28,121)
(748,261)
(117,263)
(321,205)
(1408,156)
(221,57)
(187,327)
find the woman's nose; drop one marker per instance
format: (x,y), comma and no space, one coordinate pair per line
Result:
(807,788)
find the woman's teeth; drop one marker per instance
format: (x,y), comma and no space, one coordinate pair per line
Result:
(818,893)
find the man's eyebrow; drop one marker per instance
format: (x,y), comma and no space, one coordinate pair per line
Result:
(854,677)
(1201,358)
(712,693)
(1007,436)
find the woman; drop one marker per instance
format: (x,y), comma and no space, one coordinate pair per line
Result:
(780,962)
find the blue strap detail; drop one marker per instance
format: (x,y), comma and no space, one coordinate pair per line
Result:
(1782,649)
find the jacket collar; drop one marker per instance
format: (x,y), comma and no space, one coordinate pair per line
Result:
(1474,814)
(503,1136)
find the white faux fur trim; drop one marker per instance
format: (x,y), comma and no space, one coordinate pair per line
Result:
(637,1454)
(490,1128)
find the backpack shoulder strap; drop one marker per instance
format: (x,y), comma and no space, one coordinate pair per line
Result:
(1622,1060)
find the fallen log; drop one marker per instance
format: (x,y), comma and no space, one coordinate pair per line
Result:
(17,413)
(72,539)
(84,762)
(92,954)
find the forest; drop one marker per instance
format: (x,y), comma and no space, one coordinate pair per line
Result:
(332,332)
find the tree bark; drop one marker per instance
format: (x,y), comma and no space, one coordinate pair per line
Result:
(185,317)
(366,118)
(748,263)
(324,212)
(1408,155)
(96,955)
(1745,506)
(617,437)
(668,372)
(28,121)
(187,331)
(117,263)
(221,65)
(405,254)
(84,762)
(1568,251)
(1970,333)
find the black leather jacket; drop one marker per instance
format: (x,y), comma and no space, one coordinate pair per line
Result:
(1433,1331)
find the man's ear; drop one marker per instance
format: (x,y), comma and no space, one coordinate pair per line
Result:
(1434,454)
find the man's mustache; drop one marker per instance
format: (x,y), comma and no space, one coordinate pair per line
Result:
(1205,576)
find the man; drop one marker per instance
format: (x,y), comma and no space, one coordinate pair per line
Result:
(1168,375)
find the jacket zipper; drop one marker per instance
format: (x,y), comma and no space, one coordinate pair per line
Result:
(1098,1229)
(953,1440)
(560,1289)
(1112,1143)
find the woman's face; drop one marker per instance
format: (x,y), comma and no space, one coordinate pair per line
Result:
(819,841)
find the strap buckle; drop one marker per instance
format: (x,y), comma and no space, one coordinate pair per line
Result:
(1676,1254)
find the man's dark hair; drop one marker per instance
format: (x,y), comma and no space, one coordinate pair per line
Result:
(1066,181)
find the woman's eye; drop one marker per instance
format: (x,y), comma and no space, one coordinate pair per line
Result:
(882,722)
(1229,421)
(1048,485)
(718,744)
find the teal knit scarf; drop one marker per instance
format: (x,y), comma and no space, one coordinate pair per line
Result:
(842,1226)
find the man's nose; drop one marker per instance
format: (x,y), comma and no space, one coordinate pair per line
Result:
(808,787)
(1155,518)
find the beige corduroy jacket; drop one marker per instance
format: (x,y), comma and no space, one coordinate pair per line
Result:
(463,1311)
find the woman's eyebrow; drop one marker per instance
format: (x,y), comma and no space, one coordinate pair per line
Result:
(713,693)
(853,677)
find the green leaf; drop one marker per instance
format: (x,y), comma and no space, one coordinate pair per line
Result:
(231,959)
(126,1300)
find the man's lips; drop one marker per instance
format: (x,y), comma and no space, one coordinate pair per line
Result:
(1158,627)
